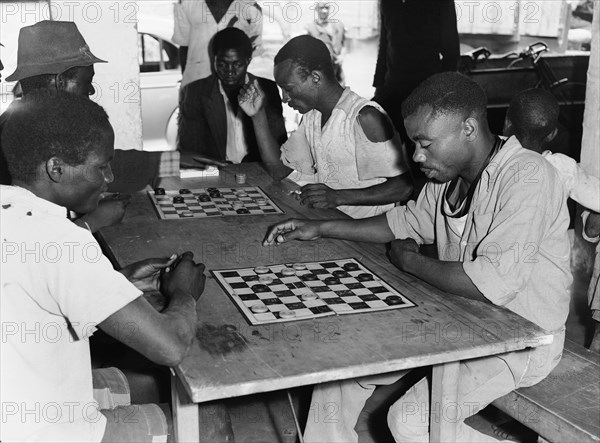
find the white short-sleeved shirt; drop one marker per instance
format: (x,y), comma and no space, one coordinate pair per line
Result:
(581,186)
(195,26)
(56,287)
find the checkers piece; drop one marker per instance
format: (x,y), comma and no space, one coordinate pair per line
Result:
(309,296)
(242,211)
(393,299)
(237,205)
(340,274)
(260,288)
(261,202)
(287,314)
(241,194)
(299,266)
(364,277)
(159,191)
(187,214)
(212,189)
(265,279)
(261,270)
(309,276)
(178,199)
(288,272)
(204,198)
(350,267)
(259,309)
(185,191)
(331,281)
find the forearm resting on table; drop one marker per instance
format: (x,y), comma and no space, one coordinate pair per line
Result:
(269,147)
(393,190)
(372,229)
(447,276)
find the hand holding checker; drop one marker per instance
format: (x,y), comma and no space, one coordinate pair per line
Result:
(292,229)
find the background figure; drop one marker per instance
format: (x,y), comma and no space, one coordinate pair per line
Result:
(197,21)
(418,38)
(211,123)
(332,33)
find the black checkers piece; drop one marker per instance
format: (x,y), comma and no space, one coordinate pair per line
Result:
(364,277)
(212,189)
(260,288)
(393,300)
(309,277)
(178,199)
(340,274)
(185,191)
(159,191)
(350,267)
(242,211)
(331,281)
(204,198)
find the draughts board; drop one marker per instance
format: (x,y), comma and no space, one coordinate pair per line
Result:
(337,286)
(213,202)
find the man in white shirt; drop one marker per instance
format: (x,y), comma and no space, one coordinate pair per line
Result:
(58,288)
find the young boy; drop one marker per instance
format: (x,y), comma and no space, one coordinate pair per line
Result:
(533,118)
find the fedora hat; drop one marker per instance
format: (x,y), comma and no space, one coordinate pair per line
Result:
(51,47)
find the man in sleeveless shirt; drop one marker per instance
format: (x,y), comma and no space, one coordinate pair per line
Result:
(345,152)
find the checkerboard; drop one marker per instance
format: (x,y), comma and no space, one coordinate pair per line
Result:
(213,202)
(343,286)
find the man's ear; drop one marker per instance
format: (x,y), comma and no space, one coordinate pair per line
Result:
(316,77)
(471,128)
(55,168)
(551,136)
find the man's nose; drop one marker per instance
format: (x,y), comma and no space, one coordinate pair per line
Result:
(419,156)
(285,97)
(109,177)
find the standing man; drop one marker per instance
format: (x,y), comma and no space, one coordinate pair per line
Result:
(346,148)
(211,122)
(480,210)
(197,21)
(332,33)
(418,38)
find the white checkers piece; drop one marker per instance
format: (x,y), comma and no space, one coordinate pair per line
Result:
(259,309)
(288,272)
(309,296)
(287,314)
(265,279)
(299,266)
(240,178)
(187,214)
(261,202)
(241,194)
(261,269)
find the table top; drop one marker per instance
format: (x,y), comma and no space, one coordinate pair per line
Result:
(231,358)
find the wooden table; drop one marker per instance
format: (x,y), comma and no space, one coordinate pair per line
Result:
(229,358)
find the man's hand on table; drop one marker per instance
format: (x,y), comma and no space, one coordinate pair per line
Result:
(251,98)
(110,211)
(292,229)
(192,160)
(184,276)
(318,195)
(401,252)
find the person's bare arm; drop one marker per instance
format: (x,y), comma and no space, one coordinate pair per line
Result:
(163,337)
(252,102)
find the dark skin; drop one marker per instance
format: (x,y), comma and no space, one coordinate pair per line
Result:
(163,337)
(317,91)
(447,147)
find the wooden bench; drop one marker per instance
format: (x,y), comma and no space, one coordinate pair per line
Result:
(565,406)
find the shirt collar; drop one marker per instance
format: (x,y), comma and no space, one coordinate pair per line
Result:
(26,200)
(222,91)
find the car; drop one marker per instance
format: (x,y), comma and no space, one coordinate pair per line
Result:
(160,78)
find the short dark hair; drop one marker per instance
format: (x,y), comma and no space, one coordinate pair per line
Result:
(447,92)
(232,38)
(533,114)
(309,54)
(46,124)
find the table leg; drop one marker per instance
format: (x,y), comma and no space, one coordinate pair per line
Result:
(186,421)
(444,406)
